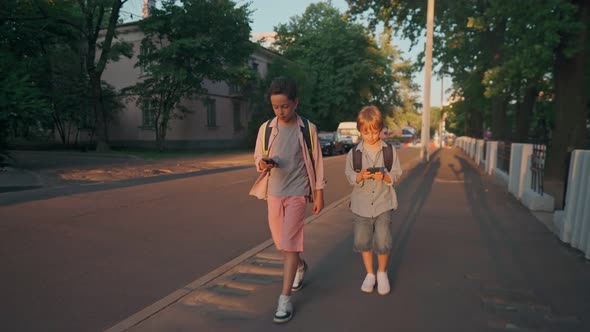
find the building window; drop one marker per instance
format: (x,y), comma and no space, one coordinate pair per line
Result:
(237,117)
(148,116)
(211,112)
(234,90)
(143,68)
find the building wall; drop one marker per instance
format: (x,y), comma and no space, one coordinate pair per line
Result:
(192,130)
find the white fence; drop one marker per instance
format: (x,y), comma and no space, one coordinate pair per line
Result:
(479,144)
(492,156)
(519,177)
(573,223)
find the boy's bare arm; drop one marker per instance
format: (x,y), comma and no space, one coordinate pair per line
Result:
(386,177)
(264,165)
(318,202)
(258,151)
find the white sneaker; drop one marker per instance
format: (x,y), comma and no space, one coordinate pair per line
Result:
(298,281)
(369,283)
(284,311)
(383,283)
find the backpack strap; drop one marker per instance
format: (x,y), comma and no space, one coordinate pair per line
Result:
(357,158)
(388,156)
(306,131)
(266,133)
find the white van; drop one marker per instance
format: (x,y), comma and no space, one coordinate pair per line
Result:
(349,134)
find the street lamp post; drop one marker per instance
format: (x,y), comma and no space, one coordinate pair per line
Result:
(427,82)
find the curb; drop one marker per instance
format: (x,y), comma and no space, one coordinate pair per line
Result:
(35,183)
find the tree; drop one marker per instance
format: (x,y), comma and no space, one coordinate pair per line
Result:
(571,100)
(402,111)
(518,46)
(58,42)
(457,44)
(185,45)
(27,41)
(345,66)
(95,15)
(21,102)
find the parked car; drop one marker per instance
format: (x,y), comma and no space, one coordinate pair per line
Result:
(331,143)
(395,142)
(346,142)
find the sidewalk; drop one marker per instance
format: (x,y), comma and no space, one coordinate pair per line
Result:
(49,169)
(467,257)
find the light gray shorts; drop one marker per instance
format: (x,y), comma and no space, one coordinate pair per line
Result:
(373,234)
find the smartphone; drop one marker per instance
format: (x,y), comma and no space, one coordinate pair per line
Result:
(270,161)
(373,170)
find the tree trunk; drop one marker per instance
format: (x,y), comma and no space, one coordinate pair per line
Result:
(93,14)
(498,109)
(570,100)
(477,123)
(499,119)
(99,114)
(467,122)
(525,111)
(161,135)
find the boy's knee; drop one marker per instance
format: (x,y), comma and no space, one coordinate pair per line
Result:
(361,242)
(383,242)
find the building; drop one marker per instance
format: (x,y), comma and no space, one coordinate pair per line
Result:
(218,119)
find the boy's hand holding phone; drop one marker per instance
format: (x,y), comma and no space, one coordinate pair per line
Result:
(374,170)
(364,174)
(268,163)
(370,173)
(378,176)
(376,173)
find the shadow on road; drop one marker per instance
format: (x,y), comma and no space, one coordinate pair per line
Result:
(420,185)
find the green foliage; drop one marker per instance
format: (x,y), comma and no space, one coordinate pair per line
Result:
(29,39)
(344,67)
(456,118)
(185,45)
(22,104)
(530,40)
(53,47)
(493,50)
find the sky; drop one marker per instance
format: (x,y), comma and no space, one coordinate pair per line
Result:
(269,13)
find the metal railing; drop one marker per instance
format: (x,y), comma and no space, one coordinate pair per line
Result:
(538,168)
(504,149)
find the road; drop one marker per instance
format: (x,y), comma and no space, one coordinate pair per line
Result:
(84,262)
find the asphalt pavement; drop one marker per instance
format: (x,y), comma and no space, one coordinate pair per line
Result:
(467,257)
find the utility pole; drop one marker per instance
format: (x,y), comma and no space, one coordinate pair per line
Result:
(427,82)
(441,126)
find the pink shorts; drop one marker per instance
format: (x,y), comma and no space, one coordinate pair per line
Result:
(285,219)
